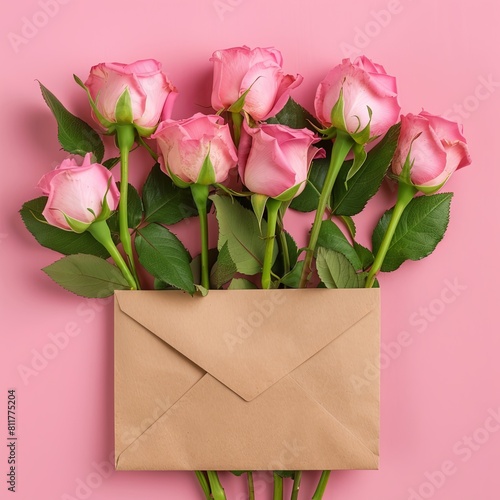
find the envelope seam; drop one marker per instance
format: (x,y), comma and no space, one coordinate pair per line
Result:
(332,416)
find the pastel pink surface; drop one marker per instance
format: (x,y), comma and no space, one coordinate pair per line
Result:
(436,392)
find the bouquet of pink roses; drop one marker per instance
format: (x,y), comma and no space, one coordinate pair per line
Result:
(258,156)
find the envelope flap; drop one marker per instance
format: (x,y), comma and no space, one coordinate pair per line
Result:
(249,339)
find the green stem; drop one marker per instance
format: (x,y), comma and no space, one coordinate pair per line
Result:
(145,145)
(278,487)
(405,195)
(251,489)
(296,485)
(217,489)
(323,481)
(273,207)
(341,148)
(202,478)
(200,196)
(100,231)
(237,120)
(283,245)
(125,135)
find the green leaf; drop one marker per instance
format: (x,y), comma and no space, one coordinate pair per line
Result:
(239,228)
(241,284)
(293,115)
(75,136)
(164,256)
(285,474)
(349,223)
(293,250)
(87,276)
(307,201)
(365,256)
(164,202)
(367,180)
(224,269)
(335,271)
(293,253)
(111,162)
(134,209)
(65,242)
(331,237)
(420,229)
(292,279)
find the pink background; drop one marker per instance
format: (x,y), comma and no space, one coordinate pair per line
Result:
(438,391)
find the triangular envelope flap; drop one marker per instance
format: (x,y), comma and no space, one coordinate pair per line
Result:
(249,339)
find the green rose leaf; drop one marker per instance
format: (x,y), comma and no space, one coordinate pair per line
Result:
(285,474)
(75,136)
(134,209)
(241,284)
(365,256)
(224,268)
(421,227)
(165,257)
(331,237)
(293,115)
(65,242)
(87,276)
(292,279)
(239,228)
(335,271)
(308,200)
(366,181)
(164,202)
(111,162)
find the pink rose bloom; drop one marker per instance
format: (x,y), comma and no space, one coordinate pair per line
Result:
(274,159)
(151,93)
(435,148)
(238,69)
(77,192)
(364,85)
(185,145)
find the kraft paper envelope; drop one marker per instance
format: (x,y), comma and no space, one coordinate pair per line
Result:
(247,380)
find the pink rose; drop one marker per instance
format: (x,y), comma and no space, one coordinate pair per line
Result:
(274,159)
(364,85)
(185,145)
(435,148)
(151,95)
(78,192)
(239,69)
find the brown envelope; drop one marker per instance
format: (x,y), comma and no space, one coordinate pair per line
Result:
(247,380)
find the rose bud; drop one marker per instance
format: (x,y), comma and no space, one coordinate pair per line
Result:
(274,160)
(431,148)
(359,98)
(254,75)
(196,150)
(137,93)
(78,195)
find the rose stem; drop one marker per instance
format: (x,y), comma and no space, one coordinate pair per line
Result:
(278,487)
(251,491)
(405,195)
(125,135)
(273,207)
(296,485)
(341,148)
(215,485)
(323,481)
(200,196)
(100,231)
(202,478)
